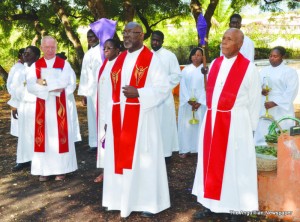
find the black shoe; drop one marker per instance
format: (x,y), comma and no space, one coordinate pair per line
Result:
(168,160)
(92,149)
(203,214)
(147,214)
(235,218)
(19,166)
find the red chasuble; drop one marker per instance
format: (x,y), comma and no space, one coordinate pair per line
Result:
(215,143)
(61,113)
(125,134)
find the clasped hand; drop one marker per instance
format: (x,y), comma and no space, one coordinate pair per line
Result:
(270,104)
(195,105)
(265,92)
(130,92)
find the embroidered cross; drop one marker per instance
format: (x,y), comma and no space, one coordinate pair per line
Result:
(139,72)
(115,78)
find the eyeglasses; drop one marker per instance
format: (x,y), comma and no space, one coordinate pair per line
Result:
(108,48)
(130,32)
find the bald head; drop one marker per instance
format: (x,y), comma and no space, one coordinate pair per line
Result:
(134,25)
(133,36)
(232,42)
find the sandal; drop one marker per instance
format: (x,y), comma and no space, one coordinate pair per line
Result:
(183,155)
(43,178)
(60,177)
(99,178)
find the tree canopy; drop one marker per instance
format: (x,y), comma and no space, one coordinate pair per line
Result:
(24,22)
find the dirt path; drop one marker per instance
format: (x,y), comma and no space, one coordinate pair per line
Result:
(78,198)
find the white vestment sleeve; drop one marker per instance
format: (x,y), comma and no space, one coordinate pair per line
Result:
(156,88)
(85,70)
(292,84)
(69,78)
(253,96)
(184,93)
(35,88)
(174,75)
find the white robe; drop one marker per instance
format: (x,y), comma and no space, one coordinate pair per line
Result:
(15,70)
(25,104)
(239,188)
(51,162)
(166,110)
(103,97)
(145,186)
(191,85)
(247,49)
(284,89)
(88,87)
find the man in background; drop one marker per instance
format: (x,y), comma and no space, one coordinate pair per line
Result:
(17,68)
(247,48)
(88,85)
(23,103)
(166,110)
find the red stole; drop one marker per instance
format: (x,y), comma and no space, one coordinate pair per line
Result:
(125,134)
(215,143)
(62,123)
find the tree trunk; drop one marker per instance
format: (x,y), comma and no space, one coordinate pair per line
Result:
(196,9)
(129,11)
(69,30)
(35,39)
(97,9)
(209,14)
(3,74)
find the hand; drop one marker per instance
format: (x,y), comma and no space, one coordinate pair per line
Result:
(40,81)
(191,102)
(84,101)
(196,106)
(270,104)
(15,113)
(204,70)
(130,92)
(265,92)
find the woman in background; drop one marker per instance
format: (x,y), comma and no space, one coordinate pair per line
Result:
(111,52)
(191,87)
(283,83)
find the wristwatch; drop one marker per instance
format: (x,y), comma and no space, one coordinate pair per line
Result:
(44,82)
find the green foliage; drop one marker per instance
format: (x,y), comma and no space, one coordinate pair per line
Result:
(266,150)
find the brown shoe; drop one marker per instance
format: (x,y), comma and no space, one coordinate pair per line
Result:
(43,178)
(60,177)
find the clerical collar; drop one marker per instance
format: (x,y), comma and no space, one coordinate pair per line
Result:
(50,59)
(95,45)
(136,51)
(230,59)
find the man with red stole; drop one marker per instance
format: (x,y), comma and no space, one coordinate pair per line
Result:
(135,177)
(226,177)
(53,81)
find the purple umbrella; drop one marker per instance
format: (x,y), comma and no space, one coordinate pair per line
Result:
(201,29)
(104,29)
